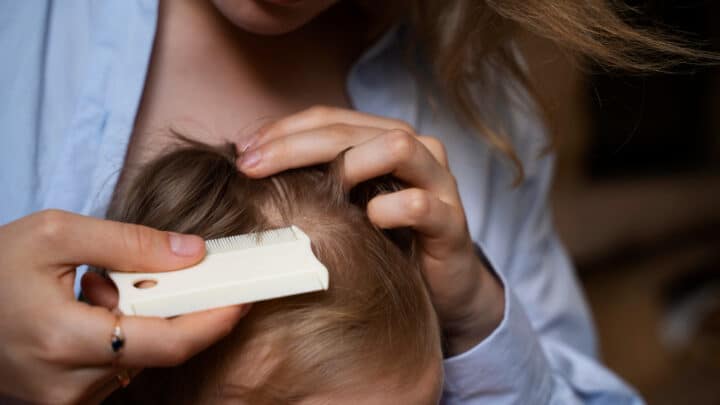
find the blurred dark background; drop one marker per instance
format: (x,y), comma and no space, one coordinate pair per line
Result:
(637,202)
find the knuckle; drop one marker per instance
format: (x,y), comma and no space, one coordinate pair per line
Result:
(404,126)
(137,240)
(53,345)
(50,224)
(401,144)
(418,204)
(320,111)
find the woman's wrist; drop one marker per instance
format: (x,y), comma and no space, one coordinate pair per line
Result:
(485,313)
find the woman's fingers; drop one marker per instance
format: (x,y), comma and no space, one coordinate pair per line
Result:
(149,341)
(402,155)
(317,145)
(418,209)
(98,290)
(322,116)
(436,148)
(71,239)
(105,382)
(100,394)
(157,342)
(372,152)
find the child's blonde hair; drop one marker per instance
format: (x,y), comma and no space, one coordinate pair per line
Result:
(376,321)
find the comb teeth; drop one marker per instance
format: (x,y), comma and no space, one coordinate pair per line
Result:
(250,240)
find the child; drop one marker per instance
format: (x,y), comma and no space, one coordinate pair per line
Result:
(372,333)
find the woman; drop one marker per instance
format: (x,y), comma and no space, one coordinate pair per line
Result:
(92,85)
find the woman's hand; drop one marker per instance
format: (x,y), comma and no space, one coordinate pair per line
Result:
(56,349)
(468,298)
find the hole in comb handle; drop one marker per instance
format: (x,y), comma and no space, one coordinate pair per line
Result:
(145,284)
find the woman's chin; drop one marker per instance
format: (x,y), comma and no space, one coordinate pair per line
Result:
(268,27)
(271,17)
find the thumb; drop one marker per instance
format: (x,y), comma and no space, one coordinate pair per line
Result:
(71,239)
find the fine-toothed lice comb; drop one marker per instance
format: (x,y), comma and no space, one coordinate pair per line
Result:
(237,269)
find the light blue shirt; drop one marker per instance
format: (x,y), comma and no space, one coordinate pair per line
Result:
(71,78)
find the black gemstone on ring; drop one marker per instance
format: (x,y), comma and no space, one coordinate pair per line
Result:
(117,343)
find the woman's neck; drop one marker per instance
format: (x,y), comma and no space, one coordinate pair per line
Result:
(199,42)
(213,82)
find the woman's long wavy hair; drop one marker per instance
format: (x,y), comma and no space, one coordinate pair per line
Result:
(469,41)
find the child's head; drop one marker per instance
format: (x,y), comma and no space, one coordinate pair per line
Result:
(371,337)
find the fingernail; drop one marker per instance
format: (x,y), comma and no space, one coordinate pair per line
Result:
(249,143)
(185,245)
(250,160)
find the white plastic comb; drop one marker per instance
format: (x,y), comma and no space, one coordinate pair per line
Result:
(237,269)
